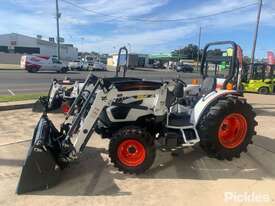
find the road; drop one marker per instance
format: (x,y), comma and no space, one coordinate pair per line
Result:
(21,82)
(188,179)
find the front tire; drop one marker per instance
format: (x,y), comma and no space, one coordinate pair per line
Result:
(263,90)
(227,128)
(132,150)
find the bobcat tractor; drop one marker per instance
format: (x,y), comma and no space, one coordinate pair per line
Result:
(139,117)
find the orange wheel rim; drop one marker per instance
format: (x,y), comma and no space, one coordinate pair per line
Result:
(131,153)
(232,130)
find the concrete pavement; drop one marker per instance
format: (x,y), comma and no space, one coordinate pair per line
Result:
(188,179)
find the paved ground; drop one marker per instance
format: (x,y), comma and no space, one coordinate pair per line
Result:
(188,179)
(23,82)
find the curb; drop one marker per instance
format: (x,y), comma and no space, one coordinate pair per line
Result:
(10,70)
(16,106)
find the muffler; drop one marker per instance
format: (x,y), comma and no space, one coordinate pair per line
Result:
(41,169)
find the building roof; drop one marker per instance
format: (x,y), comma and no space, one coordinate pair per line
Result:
(42,41)
(160,55)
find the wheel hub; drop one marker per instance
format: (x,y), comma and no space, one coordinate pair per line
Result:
(132,149)
(131,153)
(232,130)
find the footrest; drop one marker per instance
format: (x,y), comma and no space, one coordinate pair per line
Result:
(179,120)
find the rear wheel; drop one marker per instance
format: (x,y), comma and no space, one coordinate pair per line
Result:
(263,90)
(64,70)
(227,128)
(132,150)
(33,70)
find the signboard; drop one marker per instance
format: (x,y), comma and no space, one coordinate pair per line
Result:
(13,43)
(51,39)
(270,58)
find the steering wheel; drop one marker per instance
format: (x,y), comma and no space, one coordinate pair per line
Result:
(181,81)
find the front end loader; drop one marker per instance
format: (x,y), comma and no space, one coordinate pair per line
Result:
(139,116)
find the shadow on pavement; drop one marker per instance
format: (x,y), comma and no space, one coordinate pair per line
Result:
(54,72)
(92,175)
(265,111)
(11,162)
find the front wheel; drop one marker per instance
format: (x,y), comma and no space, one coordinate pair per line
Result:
(263,90)
(132,150)
(227,128)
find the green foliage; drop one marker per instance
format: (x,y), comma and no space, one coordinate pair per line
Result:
(20,97)
(188,52)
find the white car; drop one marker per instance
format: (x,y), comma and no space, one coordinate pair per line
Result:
(35,63)
(99,66)
(87,65)
(75,65)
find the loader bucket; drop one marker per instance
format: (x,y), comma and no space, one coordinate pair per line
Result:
(41,170)
(38,106)
(42,105)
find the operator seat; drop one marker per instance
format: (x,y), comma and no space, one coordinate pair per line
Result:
(208,85)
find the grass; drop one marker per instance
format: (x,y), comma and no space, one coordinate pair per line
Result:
(21,97)
(9,66)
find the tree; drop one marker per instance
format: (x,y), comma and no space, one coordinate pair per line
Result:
(214,52)
(188,52)
(246,60)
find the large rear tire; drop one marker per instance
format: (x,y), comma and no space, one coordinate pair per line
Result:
(227,128)
(132,150)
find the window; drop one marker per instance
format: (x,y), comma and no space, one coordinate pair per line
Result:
(4,49)
(27,50)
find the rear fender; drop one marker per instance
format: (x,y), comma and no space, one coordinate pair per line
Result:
(207,100)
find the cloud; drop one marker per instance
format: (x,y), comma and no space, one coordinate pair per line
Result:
(102,33)
(124,7)
(26,24)
(143,41)
(69,20)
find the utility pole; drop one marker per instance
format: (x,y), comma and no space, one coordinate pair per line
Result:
(256,33)
(58,15)
(130,48)
(199,47)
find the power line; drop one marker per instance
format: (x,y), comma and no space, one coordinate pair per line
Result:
(158,20)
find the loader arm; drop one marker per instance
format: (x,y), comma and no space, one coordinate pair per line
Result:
(52,149)
(88,116)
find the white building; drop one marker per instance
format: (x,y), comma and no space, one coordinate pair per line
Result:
(20,44)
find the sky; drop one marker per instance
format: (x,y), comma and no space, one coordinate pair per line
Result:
(106,25)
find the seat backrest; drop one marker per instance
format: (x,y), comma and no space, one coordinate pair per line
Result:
(208,85)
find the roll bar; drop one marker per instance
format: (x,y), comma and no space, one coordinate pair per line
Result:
(233,66)
(125,67)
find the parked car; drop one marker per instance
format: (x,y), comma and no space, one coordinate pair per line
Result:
(158,65)
(35,63)
(88,65)
(184,68)
(99,66)
(75,65)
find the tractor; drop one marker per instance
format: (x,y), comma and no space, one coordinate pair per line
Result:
(139,117)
